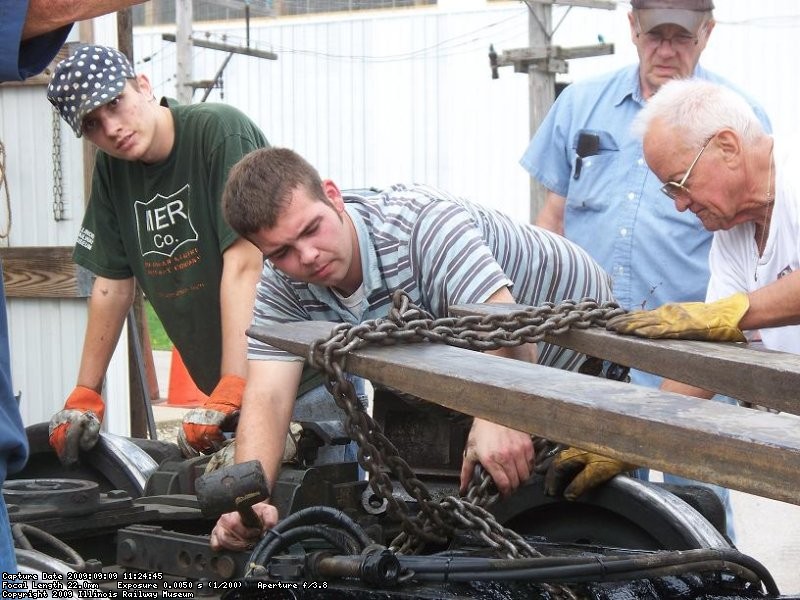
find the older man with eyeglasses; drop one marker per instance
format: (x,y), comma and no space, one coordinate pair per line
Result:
(600,192)
(747,191)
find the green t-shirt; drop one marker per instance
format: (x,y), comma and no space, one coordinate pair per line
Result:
(162,223)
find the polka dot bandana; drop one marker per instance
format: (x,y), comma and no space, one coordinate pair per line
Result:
(91,77)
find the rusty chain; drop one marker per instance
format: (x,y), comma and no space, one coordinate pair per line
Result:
(408,323)
(58,175)
(4,187)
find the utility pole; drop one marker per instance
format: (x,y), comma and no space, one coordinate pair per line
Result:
(541,86)
(183,39)
(142,381)
(541,61)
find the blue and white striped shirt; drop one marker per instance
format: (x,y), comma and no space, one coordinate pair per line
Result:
(441,250)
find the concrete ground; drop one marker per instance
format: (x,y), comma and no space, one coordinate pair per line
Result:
(767,530)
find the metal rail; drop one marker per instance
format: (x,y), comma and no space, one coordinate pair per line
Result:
(754,375)
(748,450)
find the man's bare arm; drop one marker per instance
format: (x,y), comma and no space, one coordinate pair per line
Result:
(242,263)
(774,305)
(507,454)
(668,385)
(261,435)
(108,307)
(551,215)
(45,16)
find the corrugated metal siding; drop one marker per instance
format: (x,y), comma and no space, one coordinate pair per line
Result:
(45,335)
(378,98)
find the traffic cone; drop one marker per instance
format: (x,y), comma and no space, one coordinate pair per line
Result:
(182,389)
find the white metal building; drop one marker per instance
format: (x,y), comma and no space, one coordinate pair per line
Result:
(369,98)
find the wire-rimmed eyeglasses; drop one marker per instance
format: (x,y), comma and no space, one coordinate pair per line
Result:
(674,189)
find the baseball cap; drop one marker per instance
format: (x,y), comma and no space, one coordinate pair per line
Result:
(91,77)
(689,14)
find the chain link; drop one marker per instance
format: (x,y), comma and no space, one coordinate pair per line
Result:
(58,177)
(408,323)
(7,195)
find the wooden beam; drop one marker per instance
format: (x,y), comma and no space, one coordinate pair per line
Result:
(748,450)
(168,37)
(44,272)
(602,4)
(753,375)
(523,55)
(257,9)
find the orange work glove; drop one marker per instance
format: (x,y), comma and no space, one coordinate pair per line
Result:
(201,431)
(77,426)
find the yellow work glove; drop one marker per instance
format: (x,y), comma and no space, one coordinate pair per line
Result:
(202,427)
(77,426)
(576,472)
(716,321)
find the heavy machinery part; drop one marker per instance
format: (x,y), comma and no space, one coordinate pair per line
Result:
(115,463)
(133,460)
(44,568)
(742,371)
(233,488)
(176,476)
(41,498)
(753,451)
(152,549)
(27,537)
(623,513)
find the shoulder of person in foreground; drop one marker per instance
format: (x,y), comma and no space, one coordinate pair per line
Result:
(22,57)
(220,119)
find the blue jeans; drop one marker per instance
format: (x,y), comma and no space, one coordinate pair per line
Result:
(13,442)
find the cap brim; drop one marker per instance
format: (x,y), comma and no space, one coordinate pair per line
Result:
(690,20)
(91,104)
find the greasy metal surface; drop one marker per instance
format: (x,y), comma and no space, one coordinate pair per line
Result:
(687,586)
(624,513)
(45,497)
(154,550)
(115,463)
(136,462)
(744,449)
(755,375)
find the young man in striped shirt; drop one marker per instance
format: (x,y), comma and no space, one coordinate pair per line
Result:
(339,258)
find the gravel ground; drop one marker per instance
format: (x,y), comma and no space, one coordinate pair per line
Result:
(168,430)
(769,531)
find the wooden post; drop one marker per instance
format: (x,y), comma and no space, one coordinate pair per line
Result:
(140,392)
(541,88)
(540,61)
(183,39)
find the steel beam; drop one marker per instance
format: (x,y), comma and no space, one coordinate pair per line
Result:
(748,450)
(754,375)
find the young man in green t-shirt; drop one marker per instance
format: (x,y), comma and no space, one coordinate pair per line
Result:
(154,217)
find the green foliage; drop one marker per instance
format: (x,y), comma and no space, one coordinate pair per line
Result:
(158,337)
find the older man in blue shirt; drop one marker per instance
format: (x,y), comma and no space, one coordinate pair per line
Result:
(600,192)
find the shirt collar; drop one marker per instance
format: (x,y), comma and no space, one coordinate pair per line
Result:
(630,86)
(369,259)
(369,256)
